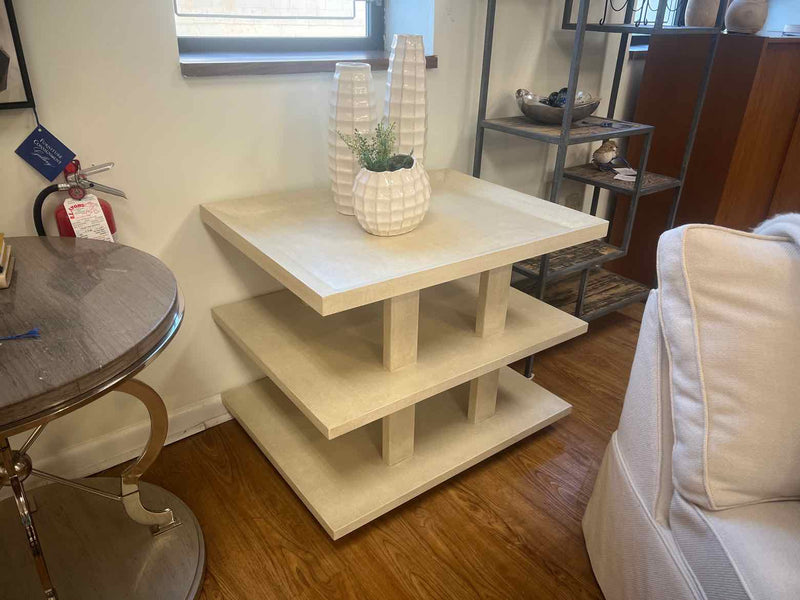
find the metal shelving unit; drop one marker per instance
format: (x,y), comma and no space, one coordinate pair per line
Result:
(579,284)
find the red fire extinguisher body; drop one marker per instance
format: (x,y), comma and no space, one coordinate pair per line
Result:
(65,227)
(77,184)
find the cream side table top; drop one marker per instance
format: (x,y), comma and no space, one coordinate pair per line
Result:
(333,265)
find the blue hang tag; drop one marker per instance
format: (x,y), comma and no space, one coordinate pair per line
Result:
(45,153)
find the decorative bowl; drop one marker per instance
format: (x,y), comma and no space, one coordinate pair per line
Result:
(532,108)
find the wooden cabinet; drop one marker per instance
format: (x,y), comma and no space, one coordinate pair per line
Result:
(745,165)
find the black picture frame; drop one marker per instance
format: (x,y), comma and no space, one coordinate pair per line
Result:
(28,102)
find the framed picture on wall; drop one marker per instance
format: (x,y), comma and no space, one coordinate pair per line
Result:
(15,87)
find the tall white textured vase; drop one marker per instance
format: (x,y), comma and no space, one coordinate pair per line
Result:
(351,107)
(406,95)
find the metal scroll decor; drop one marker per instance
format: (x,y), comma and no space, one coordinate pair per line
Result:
(644,11)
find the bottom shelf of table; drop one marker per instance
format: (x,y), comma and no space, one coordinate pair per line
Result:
(344,481)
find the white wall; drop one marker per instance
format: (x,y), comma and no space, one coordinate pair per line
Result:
(782,12)
(411,16)
(107,82)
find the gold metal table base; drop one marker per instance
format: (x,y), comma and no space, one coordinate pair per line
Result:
(94,550)
(115,542)
(16,467)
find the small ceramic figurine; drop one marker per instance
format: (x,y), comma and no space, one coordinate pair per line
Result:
(605,153)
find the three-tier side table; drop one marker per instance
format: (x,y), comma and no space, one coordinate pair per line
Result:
(386,357)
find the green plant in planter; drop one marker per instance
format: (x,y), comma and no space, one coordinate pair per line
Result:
(375,151)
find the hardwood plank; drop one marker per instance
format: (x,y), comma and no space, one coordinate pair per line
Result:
(506,528)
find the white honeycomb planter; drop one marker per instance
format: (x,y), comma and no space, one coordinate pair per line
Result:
(391,202)
(406,96)
(351,107)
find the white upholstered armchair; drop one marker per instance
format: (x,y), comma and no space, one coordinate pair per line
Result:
(698,495)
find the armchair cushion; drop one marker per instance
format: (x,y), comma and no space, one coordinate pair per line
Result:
(730,312)
(744,553)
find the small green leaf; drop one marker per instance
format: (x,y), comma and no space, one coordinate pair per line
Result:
(375,151)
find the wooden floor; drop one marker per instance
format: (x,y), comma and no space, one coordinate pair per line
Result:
(507,528)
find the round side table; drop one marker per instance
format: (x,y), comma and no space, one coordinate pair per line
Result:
(104,311)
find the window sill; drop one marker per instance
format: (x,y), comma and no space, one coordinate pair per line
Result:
(637,51)
(207,64)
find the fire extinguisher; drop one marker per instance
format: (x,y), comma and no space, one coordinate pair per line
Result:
(77,184)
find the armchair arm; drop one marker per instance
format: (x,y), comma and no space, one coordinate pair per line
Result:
(645,432)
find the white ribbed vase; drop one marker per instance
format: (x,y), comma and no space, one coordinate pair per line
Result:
(351,107)
(406,95)
(391,202)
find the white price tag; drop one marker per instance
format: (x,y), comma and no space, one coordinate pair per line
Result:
(87,218)
(625,174)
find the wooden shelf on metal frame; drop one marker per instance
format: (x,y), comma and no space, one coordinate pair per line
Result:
(564,263)
(592,254)
(589,255)
(582,260)
(634,29)
(590,129)
(608,292)
(591,175)
(605,293)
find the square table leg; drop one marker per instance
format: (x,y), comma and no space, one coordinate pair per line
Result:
(493,301)
(483,396)
(398,436)
(400,330)
(490,320)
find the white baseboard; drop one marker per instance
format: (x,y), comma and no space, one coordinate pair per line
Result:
(111,449)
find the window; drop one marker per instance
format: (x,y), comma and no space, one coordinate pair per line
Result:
(263,26)
(646,15)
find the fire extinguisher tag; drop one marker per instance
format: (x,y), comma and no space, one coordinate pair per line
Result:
(45,153)
(87,218)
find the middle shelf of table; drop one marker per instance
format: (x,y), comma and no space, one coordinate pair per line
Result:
(331,367)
